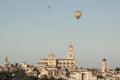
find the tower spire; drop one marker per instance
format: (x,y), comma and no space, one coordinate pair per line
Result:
(70,53)
(6,59)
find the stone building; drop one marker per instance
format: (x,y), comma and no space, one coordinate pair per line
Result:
(69,62)
(104,65)
(6,66)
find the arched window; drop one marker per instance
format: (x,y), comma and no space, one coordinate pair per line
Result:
(68,63)
(72,63)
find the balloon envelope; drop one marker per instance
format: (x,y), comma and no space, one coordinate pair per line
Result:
(78,14)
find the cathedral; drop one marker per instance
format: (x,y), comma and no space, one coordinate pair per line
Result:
(68,63)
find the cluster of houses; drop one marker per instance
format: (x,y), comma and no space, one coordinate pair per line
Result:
(63,68)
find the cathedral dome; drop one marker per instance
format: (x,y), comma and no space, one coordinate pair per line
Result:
(51,55)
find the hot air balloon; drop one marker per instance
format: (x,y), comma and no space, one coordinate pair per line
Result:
(78,14)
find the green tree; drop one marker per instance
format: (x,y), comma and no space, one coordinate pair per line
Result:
(19,75)
(5,75)
(117,69)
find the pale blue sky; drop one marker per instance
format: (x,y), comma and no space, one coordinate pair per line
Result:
(29,30)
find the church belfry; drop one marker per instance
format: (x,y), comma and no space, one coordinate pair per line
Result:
(70,52)
(104,65)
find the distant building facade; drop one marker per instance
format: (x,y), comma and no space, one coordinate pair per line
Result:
(69,62)
(63,68)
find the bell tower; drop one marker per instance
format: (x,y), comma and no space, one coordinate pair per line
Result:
(70,52)
(104,65)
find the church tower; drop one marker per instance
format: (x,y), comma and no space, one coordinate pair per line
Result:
(70,52)
(6,61)
(104,65)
